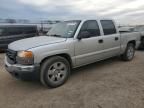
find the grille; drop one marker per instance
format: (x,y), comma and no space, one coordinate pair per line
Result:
(11,56)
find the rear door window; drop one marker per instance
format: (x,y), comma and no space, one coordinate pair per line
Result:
(108,27)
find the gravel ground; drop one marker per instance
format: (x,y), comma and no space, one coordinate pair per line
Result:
(108,84)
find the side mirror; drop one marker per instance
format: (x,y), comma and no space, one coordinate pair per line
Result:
(83,34)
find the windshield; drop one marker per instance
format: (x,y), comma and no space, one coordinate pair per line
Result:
(65,29)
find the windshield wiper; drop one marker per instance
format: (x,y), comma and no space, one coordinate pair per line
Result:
(55,35)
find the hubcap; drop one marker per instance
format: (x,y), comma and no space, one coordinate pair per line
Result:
(130,53)
(57,72)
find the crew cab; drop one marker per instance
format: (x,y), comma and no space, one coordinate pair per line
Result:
(69,44)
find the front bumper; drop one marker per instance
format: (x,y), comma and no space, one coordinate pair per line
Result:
(23,72)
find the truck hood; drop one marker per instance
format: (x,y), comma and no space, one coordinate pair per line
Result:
(29,43)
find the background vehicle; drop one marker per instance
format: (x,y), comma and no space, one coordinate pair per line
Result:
(124,29)
(140,29)
(11,33)
(67,45)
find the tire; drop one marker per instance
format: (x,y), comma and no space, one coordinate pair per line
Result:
(54,72)
(142,43)
(129,53)
(141,46)
(2,51)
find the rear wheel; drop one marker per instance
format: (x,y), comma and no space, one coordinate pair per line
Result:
(129,53)
(55,71)
(142,43)
(2,50)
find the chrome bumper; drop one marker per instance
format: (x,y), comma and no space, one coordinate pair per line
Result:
(18,67)
(22,71)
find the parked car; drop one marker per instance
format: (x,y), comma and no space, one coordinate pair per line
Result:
(11,33)
(69,44)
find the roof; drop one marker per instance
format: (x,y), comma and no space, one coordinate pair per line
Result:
(89,18)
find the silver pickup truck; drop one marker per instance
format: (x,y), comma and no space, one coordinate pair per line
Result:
(69,44)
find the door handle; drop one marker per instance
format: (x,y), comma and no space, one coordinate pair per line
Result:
(100,41)
(116,38)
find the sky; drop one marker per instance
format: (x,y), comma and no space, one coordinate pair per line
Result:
(123,11)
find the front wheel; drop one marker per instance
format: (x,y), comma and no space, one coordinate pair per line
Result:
(55,71)
(129,53)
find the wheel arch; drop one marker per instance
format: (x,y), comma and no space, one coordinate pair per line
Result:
(133,42)
(64,55)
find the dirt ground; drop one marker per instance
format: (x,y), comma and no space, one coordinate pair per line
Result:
(108,84)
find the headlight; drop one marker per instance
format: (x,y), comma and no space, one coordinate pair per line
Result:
(25,54)
(25,58)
